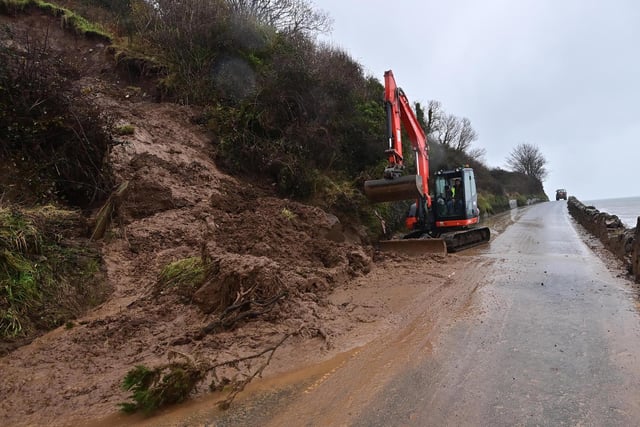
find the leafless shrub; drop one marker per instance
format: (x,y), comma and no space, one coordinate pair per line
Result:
(291,16)
(54,137)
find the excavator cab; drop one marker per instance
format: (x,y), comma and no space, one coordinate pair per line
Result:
(456,212)
(454,204)
(456,197)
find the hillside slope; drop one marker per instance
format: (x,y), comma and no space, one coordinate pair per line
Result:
(262,250)
(179,205)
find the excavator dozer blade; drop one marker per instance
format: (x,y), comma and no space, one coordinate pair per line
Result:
(388,190)
(414,247)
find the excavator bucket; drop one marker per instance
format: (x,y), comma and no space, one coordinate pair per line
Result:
(414,247)
(388,190)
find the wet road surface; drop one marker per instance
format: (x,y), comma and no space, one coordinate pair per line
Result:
(553,338)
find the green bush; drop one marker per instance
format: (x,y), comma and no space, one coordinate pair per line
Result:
(44,281)
(491,203)
(521,200)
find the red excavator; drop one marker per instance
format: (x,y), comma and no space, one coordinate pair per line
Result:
(441,221)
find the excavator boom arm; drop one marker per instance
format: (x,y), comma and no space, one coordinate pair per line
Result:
(399,112)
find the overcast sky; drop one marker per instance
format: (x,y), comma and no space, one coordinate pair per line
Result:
(560,74)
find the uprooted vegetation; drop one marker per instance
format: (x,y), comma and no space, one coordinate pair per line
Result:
(243,275)
(175,381)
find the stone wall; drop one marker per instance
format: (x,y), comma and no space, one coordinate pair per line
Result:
(622,241)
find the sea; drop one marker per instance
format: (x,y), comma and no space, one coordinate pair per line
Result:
(627,209)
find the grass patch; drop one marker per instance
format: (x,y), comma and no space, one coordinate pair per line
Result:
(288,214)
(184,276)
(69,19)
(45,280)
(125,130)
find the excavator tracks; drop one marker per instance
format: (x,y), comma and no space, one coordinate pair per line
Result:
(464,239)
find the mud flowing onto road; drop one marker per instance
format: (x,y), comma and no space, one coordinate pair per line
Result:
(399,310)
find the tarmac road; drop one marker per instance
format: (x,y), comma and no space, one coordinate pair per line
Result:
(553,338)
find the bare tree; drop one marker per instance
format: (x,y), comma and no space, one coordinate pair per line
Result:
(453,132)
(466,135)
(477,154)
(434,116)
(298,16)
(527,159)
(449,130)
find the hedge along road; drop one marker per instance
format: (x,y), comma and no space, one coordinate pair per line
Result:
(550,337)
(553,338)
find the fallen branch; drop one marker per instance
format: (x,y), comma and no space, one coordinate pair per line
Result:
(174,382)
(239,387)
(105,215)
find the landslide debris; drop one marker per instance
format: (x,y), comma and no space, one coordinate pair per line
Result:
(272,261)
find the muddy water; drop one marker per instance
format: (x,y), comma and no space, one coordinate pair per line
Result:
(552,338)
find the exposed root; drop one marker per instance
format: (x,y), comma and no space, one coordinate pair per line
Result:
(241,309)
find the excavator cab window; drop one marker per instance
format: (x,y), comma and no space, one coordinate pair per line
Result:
(448,203)
(455,194)
(471,200)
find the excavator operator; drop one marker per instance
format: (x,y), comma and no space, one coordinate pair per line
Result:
(458,197)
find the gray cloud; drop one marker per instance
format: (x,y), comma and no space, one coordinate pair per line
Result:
(559,74)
